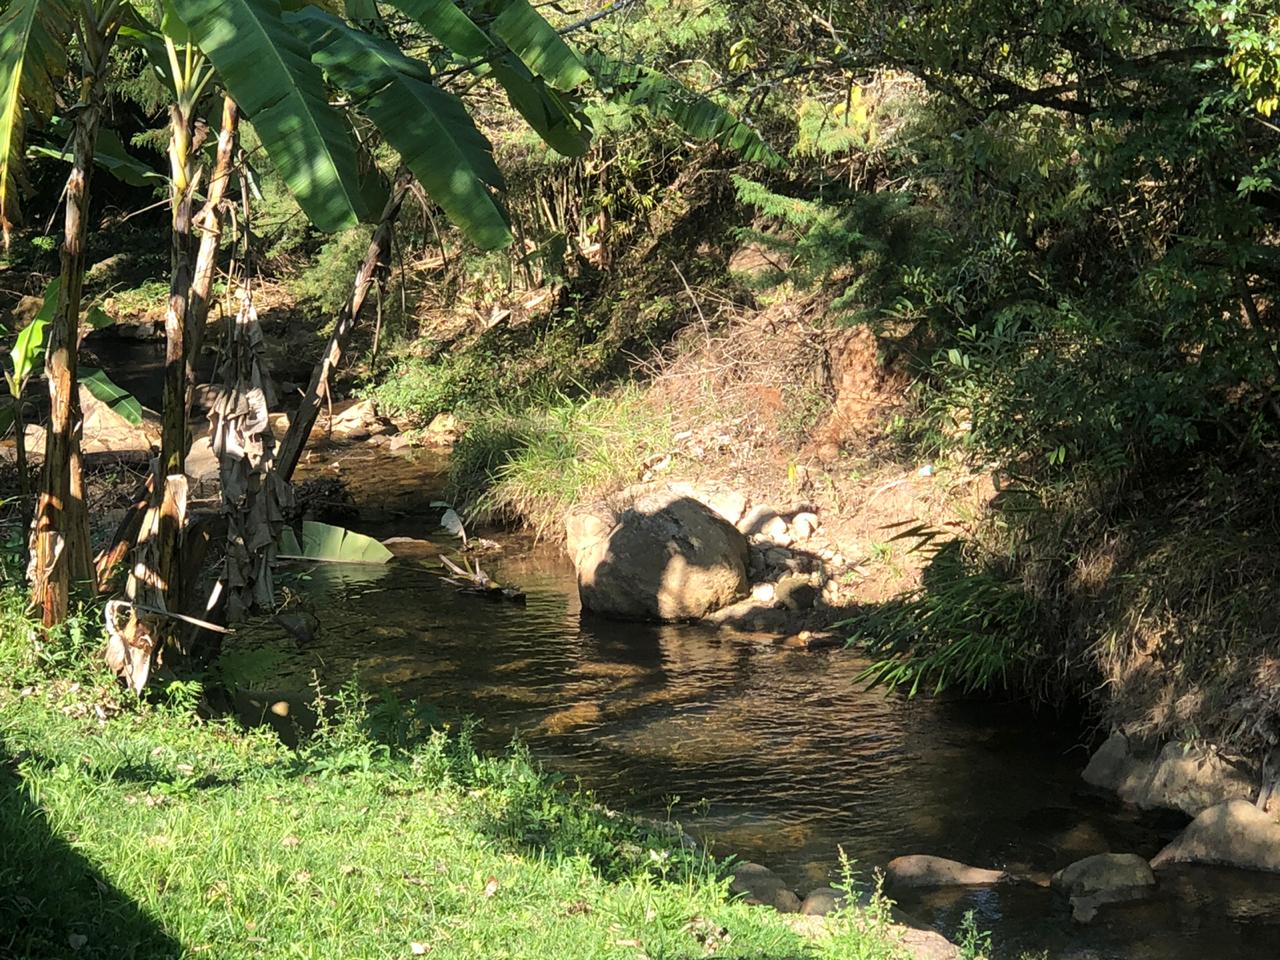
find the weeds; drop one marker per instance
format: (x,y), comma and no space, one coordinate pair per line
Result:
(533,466)
(966,628)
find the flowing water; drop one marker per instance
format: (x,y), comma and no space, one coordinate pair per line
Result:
(774,755)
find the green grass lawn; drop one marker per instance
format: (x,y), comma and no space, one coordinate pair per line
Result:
(133,829)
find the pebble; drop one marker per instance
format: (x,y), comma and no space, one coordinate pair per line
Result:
(804,525)
(764,592)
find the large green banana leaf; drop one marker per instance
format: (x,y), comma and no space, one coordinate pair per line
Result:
(109,153)
(536,43)
(430,129)
(695,114)
(267,69)
(33,55)
(444,21)
(555,117)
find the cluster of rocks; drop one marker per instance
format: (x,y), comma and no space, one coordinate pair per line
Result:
(759,885)
(1216,789)
(676,551)
(1228,828)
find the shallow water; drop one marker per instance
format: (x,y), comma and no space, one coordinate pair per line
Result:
(774,755)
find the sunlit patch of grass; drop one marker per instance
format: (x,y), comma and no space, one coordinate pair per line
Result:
(533,466)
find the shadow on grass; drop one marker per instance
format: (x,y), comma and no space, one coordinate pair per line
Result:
(54,902)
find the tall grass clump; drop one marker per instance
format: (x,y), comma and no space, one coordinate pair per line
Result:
(531,466)
(967,627)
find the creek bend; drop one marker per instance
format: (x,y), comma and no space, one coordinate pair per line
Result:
(775,755)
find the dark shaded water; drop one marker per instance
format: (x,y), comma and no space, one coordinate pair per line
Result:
(775,755)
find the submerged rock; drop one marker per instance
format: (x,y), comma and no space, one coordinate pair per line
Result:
(1179,777)
(920,870)
(760,885)
(1110,873)
(1103,878)
(1232,834)
(659,557)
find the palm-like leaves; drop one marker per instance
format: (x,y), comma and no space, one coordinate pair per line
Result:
(695,114)
(525,45)
(267,69)
(444,21)
(430,129)
(33,41)
(536,43)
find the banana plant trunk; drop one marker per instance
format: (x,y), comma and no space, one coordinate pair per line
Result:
(24,478)
(209,222)
(60,539)
(173,435)
(378,254)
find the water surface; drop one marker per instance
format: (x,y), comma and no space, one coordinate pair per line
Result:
(771,754)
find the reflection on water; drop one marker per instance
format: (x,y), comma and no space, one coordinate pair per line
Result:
(775,755)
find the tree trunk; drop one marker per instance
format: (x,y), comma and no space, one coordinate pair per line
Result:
(209,223)
(317,390)
(173,436)
(24,479)
(60,541)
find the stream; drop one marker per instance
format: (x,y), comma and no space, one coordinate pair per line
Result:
(774,755)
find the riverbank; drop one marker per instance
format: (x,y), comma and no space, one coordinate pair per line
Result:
(147,829)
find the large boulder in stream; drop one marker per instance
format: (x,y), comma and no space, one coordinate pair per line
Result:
(1176,777)
(656,556)
(1231,834)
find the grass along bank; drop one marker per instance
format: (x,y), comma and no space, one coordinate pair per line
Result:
(140,829)
(533,463)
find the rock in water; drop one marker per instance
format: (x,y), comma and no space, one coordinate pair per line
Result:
(107,431)
(822,901)
(660,557)
(1179,777)
(1104,878)
(924,871)
(762,886)
(302,625)
(1232,834)
(1104,873)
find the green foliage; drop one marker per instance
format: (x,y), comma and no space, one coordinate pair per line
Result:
(324,541)
(967,627)
(33,39)
(101,388)
(430,129)
(532,465)
(1252,31)
(699,116)
(326,279)
(538,45)
(266,67)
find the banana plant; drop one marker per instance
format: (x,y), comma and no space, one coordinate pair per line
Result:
(279,69)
